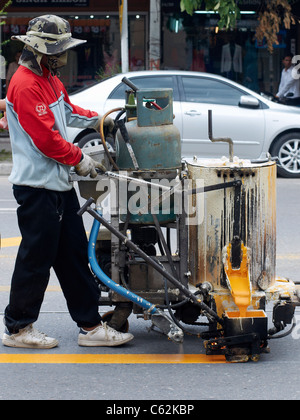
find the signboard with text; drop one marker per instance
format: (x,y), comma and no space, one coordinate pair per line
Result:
(50,3)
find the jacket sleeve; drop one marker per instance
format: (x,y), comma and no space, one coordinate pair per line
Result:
(77,116)
(37,120)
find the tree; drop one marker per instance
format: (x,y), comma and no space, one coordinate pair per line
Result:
(2,22)
(272,14)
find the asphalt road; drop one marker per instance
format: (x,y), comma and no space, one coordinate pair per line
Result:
(125,373)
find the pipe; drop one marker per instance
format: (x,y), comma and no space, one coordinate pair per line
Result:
(103,137)
(106,280)
(223,139)
(158,317)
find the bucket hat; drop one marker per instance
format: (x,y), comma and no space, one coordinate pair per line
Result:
(49,34)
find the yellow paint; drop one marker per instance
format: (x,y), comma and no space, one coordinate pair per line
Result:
(38,358)
(239,281)
(8,242)
(249,314)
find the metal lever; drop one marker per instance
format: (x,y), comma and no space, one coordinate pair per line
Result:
(130,84)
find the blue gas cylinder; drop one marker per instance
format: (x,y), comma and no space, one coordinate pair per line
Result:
(154,140)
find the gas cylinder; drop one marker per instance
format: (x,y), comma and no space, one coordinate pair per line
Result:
(152,149)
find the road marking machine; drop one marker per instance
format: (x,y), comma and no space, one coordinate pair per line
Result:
(186,240)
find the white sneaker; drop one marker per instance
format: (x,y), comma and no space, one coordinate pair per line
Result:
(28,338)
(103,335)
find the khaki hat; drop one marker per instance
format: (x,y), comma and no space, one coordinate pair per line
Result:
(49,34)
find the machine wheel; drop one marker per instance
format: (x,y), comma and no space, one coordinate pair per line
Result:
(287,149)
(108,316)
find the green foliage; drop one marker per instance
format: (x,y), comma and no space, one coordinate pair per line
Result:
(2,11)
(102,73)
(5,156)
(227,9)
(2,22)
(272,15)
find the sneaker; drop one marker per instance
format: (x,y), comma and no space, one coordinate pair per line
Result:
(103,335)
(28,338)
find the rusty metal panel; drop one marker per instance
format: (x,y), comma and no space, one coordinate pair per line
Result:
(256,224)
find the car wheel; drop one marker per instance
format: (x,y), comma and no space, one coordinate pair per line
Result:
(93,139)
(287,149)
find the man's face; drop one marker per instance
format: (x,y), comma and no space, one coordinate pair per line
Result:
(287,62)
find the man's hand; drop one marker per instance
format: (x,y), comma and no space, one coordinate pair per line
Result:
(88,166)
(107,123)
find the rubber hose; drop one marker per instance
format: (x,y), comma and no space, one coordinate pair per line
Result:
(108,281)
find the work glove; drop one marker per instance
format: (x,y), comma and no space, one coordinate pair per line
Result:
(88,166)
(108,123)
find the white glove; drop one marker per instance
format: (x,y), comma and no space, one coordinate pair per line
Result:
(108,123)
(87,166)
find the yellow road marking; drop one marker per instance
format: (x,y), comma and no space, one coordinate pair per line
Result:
(288,257)
(8,242)
(110,358)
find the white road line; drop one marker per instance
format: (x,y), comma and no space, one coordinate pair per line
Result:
(7,209)
(2,327)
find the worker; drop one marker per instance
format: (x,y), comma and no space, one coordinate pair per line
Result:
(289,87)
(38,110)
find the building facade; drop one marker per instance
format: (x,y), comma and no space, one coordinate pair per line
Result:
(181,41)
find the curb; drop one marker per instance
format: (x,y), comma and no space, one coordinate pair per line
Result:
(5,168)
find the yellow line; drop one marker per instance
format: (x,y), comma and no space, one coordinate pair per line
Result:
(111,358)
(11,242)
(8,242)
(288,257)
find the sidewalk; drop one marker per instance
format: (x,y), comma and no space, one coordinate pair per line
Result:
(5,166)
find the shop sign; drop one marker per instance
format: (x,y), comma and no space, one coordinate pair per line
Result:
(50,3)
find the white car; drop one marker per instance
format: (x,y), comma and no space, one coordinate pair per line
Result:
(256,125)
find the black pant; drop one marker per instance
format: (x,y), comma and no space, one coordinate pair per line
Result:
(53,235)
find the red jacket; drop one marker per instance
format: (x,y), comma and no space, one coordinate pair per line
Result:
(38,112)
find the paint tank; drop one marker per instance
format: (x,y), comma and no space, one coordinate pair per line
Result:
(249,213)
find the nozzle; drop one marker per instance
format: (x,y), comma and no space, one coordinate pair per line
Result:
(168,327)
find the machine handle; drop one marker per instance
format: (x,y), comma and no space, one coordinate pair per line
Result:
(86,206)
(130,84)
